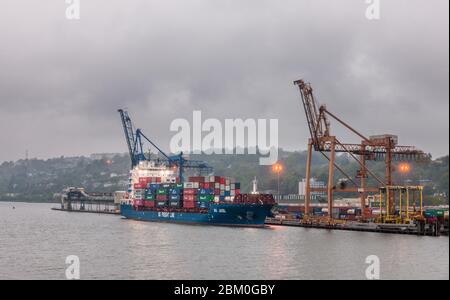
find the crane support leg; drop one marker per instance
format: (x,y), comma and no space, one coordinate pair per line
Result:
(331,179)
(391,200)
(363,180)
(308,178)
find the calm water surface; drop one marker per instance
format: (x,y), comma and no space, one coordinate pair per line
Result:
(35,241)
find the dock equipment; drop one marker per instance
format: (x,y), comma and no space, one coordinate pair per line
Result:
(135,141)
(402,197)
(77,199)
(381,147)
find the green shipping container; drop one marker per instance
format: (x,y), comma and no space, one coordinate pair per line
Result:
(441,213)
(150,197)
(161,192)
(431,213)
(206,198)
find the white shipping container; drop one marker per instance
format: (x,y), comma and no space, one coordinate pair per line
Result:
(217,186)
(188,185)
(227,188)
(233,186)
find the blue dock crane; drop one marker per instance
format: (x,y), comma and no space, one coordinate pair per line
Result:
(135,142)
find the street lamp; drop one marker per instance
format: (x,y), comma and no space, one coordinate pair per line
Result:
(278,168)
(404,169)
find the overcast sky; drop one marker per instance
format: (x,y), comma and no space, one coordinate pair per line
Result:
(62,81)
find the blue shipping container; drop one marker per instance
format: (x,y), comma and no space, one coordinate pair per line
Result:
(175,203)
(175,191)
(203,204)
(175,197)
(206,192)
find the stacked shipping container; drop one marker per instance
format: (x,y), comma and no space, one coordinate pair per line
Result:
(197,192)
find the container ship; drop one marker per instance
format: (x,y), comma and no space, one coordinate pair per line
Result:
(157,189)
(156,193)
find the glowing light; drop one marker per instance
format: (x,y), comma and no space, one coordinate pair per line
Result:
(277,168)
(404,168)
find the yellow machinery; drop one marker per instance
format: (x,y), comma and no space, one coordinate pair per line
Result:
(403,197)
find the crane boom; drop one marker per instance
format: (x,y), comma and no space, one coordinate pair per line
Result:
(319,127)
(318,123)
(373,148)
(135,145)
(129,136)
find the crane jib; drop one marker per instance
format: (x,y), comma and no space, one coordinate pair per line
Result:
(135,142)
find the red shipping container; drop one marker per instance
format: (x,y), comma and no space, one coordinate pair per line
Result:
(161,197)
(201,185)
(238,191)
(138,202)
(197,179)
(158,179)
(189,197)
(189,204)
(138,186)
(190,192)
(149,203)
(144,180)
(217,192)
(207,186)
(222,180)
(190,201)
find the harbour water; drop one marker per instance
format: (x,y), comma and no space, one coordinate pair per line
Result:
(35,241)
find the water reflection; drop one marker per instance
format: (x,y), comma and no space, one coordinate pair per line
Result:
(36,240)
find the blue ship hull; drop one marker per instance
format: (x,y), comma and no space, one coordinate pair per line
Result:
(248,215)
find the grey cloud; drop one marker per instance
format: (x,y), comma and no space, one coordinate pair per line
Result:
(61,81)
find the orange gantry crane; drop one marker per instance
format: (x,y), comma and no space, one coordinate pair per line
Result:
(371,148)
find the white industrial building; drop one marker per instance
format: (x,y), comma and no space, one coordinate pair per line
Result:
(314,184)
